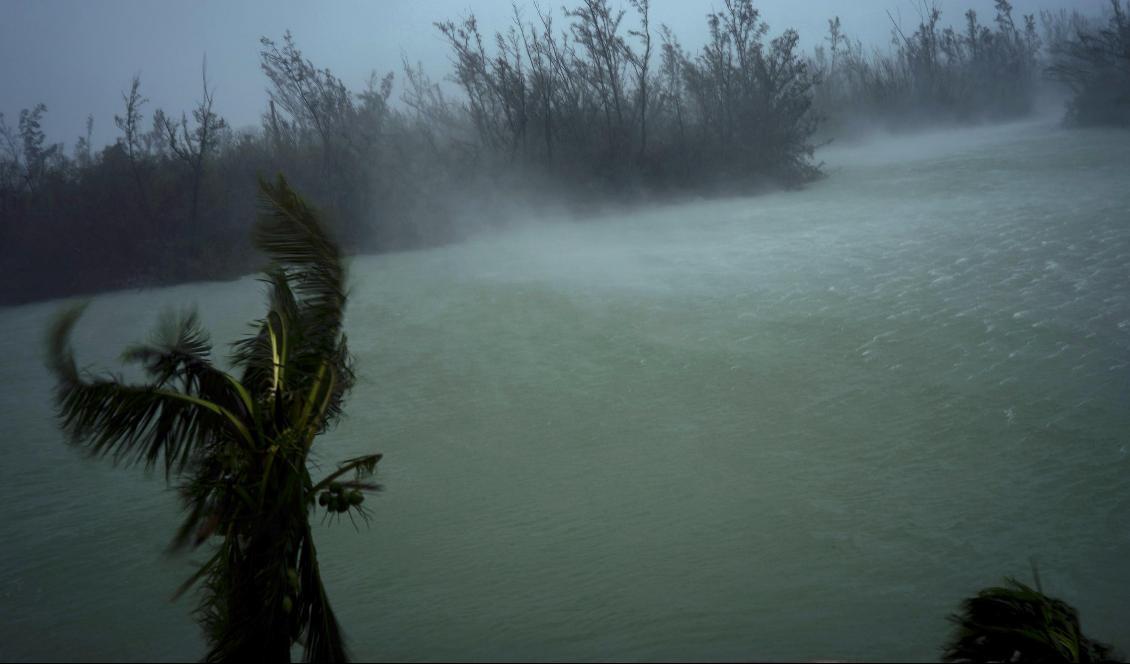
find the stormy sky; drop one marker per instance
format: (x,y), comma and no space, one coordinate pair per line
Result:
(78,56)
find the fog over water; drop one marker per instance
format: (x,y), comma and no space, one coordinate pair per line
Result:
(801,425)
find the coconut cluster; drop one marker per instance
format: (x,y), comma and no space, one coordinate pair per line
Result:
(337,499)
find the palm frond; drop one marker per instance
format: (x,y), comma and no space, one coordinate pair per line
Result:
(179,346)
(363,466)
(264,354)
(246,442)
(1015,622)
(307,301)
(289,232)
(131,423)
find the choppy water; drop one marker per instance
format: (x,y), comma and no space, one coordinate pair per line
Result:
(800,425)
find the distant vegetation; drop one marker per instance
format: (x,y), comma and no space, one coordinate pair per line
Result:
(1093,60)
(596,104)
(933,73)
(599,104)
(977,71)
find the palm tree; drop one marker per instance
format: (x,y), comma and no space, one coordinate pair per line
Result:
(242,445)
(1017,623)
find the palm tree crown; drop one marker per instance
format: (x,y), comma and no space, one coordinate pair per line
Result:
(1018,623)
(241,444)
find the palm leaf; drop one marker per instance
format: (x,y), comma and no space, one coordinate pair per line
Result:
(245,442)
(265,355)
(289,232)
(1015,622)
(364,466)
(307,303)
(133,423)
(180,346)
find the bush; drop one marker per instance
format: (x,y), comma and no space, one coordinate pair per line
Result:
(1094,63)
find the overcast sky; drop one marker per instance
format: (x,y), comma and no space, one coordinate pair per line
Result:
(77,56)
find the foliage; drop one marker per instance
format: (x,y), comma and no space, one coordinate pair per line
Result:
(193,148)
(936,73)
(587,102)
(1017,623)
(242,444)
(1093,61)
(594,104)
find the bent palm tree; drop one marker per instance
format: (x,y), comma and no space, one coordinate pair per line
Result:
(242,444)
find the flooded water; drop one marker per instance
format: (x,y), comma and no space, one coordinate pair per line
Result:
(799,425)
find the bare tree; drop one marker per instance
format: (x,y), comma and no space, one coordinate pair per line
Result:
(193,147)
(313,98)
(543,83)
(640,62)
(83,156)
(596,28)
(37,155)
(473,75)
(133,140)
(12,166)
(10,176)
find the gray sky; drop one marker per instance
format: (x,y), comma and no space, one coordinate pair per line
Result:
(77,56)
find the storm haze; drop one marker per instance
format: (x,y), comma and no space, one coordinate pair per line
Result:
(728,331)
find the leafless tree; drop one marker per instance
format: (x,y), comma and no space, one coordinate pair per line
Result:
(194,147)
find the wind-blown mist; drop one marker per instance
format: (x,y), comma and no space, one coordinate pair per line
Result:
(800,425)
(591,105)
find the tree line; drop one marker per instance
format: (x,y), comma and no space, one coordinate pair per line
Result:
(972,72)
(595,103)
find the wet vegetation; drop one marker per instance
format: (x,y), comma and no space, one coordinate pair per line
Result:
(1093,61)
(595,104)
(605,106)
(241,444)
(933,73)
(1017,623)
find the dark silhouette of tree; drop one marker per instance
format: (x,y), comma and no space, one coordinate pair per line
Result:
(194,148)
(542,79)
(308,106)
(471,73)
(242,444)
(934,73)
(132,139)
(31,156)
(596,29)
(1094,63)
(1017,623)
(12,177)
(83,156)
(752,100)
(641,62)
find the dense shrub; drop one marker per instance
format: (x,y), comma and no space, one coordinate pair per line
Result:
(1093,61)
(607,106)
